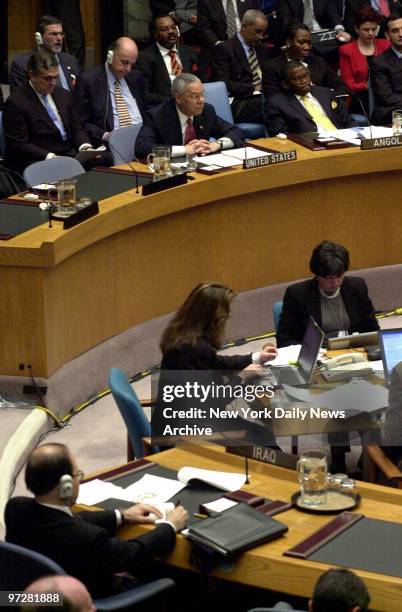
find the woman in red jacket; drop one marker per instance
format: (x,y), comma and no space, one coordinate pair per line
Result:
(355,57)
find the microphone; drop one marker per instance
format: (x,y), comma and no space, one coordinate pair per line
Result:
(128,164)
(356,97)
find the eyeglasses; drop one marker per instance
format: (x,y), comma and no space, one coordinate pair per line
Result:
(79,474)
(195,97)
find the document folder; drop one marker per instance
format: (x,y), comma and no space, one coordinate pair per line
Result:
(236,529)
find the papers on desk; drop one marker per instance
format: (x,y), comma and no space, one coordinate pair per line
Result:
(231,157)
(355,396)
(286,355)
(354,135)
(156,490)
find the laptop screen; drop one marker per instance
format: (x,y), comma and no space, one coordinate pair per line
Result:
(391,348)
(309,351)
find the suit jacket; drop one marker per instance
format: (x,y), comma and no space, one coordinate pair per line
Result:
(212,19)
(153,68)
(354,66)
(162,126)
(202,356)
(284,113)
(184,9)
(19,74)
(326,12)
(84,545)
(321,74)
(386,81)
(30,132)
(303,299)
(230,64)
(92,99)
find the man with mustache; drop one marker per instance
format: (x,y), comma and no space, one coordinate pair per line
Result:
(165,58)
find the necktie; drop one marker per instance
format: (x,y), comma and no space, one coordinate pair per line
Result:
(58,122)
(254,67)
(384,8)
(231,27)
(318,115)
(62,81)
(308,18)
(175,66)
(121,107)
(189,132)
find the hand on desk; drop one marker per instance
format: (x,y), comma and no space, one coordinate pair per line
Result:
(141,513)
(178,516)
(202,147)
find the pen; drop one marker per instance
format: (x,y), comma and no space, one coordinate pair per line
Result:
(200,516)
(177,503)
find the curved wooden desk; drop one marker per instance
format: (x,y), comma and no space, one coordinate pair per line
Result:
(64,292)
(265,566)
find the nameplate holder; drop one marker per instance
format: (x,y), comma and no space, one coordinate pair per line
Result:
(386,142)
(269,160)
(166,183)
(266,455)
(323,36)
(73,217)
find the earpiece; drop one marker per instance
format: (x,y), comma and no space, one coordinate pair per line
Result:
(38,39)
(66,486)
(109,57)
(178,31)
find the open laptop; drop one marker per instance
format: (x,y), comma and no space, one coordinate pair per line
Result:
(391,349)
(302,372)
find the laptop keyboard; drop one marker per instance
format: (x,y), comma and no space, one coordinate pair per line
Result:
(287,375)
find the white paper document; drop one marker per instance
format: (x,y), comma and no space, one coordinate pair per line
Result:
(95,491)
(232,157)
(354,135)
(228,481)
(152,489)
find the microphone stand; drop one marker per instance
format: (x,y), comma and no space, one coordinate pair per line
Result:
(128,164)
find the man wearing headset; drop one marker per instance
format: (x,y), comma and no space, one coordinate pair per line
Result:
(112,95)
(49,36)
(83,544)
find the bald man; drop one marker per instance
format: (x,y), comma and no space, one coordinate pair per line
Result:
(112,95)
(76,597)
(84,545)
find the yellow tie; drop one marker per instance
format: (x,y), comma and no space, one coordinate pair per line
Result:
(318,115)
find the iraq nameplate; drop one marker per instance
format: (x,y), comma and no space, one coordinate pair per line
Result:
(266,455)
(269,160)
(385,142)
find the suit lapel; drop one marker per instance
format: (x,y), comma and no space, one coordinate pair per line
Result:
(161,64)
(61,108)
(240,55)
(314,302)
(325,102)
(41,109)
(200,127)
(102,87)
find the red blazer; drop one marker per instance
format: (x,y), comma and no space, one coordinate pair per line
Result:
(353,64)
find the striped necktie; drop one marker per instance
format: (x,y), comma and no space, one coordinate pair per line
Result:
(254,67)
(175,66)
(308,18)
(58,122)
(318,115)
(121,107)
(384,8)
(231,27)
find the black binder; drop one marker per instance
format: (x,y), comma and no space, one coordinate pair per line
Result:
(236,529)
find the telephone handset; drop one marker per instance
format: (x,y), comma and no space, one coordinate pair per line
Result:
(343,360)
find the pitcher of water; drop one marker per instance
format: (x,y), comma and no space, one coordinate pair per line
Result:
(159,161)
(312,471)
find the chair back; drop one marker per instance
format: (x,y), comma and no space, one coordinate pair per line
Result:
(20,566)
(127,401)
(276,313)
(217,94)
(54,169)
(122,143)
(2,139)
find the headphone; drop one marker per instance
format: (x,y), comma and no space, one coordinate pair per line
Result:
(38,39)
(109,57)
(66,486)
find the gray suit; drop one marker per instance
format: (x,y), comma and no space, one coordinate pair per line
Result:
(19,75)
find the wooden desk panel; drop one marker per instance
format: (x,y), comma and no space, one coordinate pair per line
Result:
(265,566)
(139,257)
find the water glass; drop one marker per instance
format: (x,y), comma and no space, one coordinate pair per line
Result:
(191,162)
(397,122)
(66,192)
(312,471)
(159,162)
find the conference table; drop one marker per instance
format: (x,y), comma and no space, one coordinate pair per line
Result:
(66,291)
(265,566)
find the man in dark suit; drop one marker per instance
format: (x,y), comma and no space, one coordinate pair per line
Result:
(85,544)
(219,20)
(239,62)
(69,13)
(337,302)
(317,14)
(186,123)
(49,36)
(40,119)
(303,107)
(98,93)
(165,58)
(386,74)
